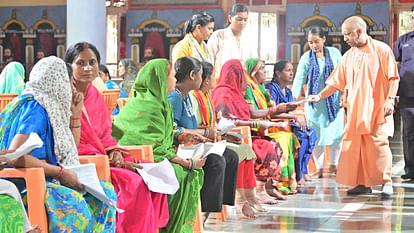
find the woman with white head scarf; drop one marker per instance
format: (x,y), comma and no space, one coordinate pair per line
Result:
(45,108)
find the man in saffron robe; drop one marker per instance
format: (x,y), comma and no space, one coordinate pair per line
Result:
(369,71)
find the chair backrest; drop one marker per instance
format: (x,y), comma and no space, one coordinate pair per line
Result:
(121,102)
(5,99)
(101,164)
(141,152)
(110,97)
(244,130)
(36,192)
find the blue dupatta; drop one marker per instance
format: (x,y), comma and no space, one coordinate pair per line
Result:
(313,83)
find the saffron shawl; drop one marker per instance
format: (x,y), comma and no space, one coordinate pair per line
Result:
(228,96)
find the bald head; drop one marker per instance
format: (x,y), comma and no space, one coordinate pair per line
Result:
(354,30)
(354,23)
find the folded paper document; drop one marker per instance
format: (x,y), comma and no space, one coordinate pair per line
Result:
(202,149)
(159,177)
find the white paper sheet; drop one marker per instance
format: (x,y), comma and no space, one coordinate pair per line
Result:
(203,149)
(87,176)
(159,177)
(225,125)
(32,142)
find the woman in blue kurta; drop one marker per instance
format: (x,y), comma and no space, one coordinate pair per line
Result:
(325,117)
(46,108)
(111,85)
(282,75)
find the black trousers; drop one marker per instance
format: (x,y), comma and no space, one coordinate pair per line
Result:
(407,115)
(220,178)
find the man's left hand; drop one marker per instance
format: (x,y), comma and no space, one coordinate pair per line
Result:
(388,108)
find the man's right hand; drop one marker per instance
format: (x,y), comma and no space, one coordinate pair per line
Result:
(313,98)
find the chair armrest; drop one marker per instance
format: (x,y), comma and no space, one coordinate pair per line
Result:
(101,163)
(141,152)
(36,191)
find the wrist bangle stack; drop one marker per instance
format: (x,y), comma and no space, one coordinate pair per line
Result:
(191,165)
(59,174)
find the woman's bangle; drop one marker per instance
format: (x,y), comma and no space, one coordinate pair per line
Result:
(205,132)
(59,174)
(192,164)
(74,118)
(74,126)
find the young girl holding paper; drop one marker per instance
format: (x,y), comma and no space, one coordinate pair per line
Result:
(220,172)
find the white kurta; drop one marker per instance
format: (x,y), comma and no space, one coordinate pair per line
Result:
(224,46)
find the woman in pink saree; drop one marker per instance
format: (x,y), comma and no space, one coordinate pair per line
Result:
(145,211)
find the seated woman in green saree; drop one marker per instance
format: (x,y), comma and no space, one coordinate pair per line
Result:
(147,119)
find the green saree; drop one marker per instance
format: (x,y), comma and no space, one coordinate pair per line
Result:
(11,215)
(147,119)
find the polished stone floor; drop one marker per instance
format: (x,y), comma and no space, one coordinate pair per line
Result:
(323,206)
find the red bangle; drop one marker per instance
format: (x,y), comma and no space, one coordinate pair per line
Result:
(59,174)
(74,118)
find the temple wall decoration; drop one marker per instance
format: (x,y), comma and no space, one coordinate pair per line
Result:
(27,29)
(330,16)
(159,29)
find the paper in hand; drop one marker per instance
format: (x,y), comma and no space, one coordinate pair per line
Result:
(159,177)
(32,142)
(87,176)
(225,125)
(203,149)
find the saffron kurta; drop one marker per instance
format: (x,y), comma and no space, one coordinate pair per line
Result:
(366,156)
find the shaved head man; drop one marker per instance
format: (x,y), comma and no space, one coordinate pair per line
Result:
(369,71)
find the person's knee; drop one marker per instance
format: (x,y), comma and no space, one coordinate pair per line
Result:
(231,157)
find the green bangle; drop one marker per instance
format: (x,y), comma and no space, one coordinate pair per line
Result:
(192,165)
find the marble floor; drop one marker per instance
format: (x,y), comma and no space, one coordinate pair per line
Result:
(323,206)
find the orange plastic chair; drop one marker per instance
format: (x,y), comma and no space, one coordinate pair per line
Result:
(145,153)
(121,102)
(101,164)
(5,99)
(110,97)
(36,191)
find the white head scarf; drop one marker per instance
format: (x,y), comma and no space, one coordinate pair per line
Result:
(50,85)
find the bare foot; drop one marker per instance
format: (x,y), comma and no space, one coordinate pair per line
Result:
(35,229)
(275,193)
(265,198)
(253,202)
(302,181)
(245,209)
(318,174)
(271,191)
(307,177)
